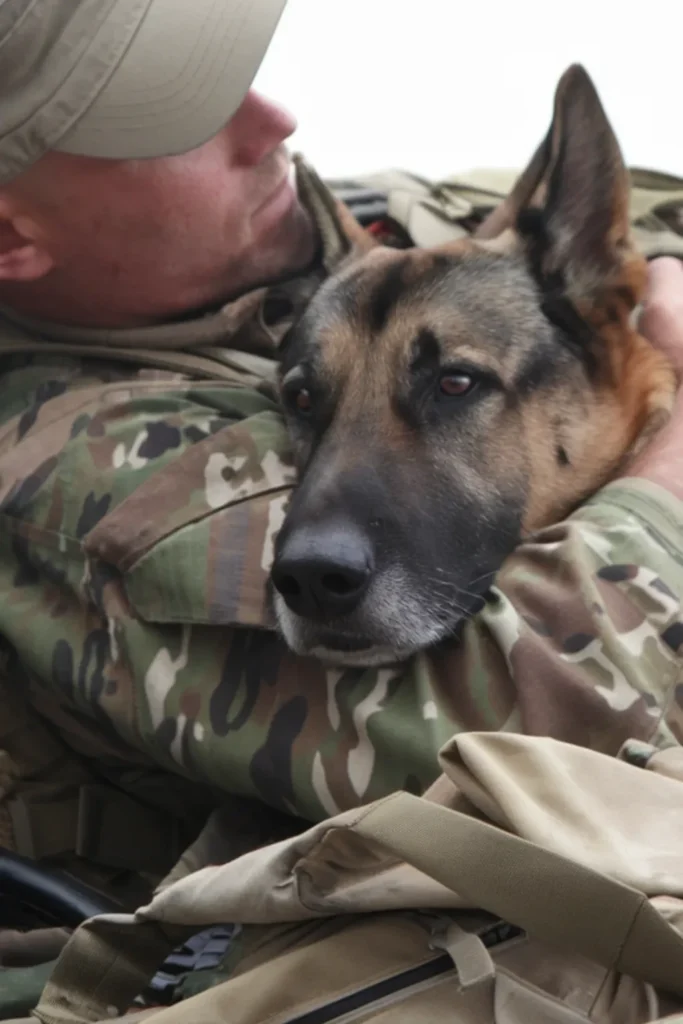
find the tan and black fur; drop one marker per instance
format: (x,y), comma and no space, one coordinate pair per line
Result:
(445,402)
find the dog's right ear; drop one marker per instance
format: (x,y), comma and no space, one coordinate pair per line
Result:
(342,238)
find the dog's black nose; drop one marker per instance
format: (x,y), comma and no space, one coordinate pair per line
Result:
(322,572)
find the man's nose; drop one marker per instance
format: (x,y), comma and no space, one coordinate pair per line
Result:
(258,128)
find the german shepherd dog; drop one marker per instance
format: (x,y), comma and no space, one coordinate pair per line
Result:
(445,402)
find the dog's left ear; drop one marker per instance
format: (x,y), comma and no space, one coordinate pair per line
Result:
(342,238)
(571,205)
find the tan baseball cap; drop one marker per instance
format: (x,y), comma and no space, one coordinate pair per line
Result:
(125,79)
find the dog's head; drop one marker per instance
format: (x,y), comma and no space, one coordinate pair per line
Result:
(443,402)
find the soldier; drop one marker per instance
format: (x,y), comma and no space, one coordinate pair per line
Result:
(154,250)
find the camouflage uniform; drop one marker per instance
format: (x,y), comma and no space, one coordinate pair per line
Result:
(142,676)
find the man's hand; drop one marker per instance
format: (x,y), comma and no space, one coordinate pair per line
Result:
(662,323)
(662,318)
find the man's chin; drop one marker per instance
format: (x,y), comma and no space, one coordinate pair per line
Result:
(289,251)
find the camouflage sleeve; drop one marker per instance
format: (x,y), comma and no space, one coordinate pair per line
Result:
(138,518)
(586,626)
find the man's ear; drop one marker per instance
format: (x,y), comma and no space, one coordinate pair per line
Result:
(23,257)
(342,238)
(571,205)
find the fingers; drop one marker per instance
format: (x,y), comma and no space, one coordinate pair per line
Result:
(662,318)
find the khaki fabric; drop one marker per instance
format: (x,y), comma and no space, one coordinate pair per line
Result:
(535,881)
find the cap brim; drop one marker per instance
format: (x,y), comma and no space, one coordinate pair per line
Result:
(185,74)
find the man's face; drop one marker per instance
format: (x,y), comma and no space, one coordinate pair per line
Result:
(134,242)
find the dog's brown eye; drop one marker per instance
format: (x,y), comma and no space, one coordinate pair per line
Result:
(455,385)
(303,400)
